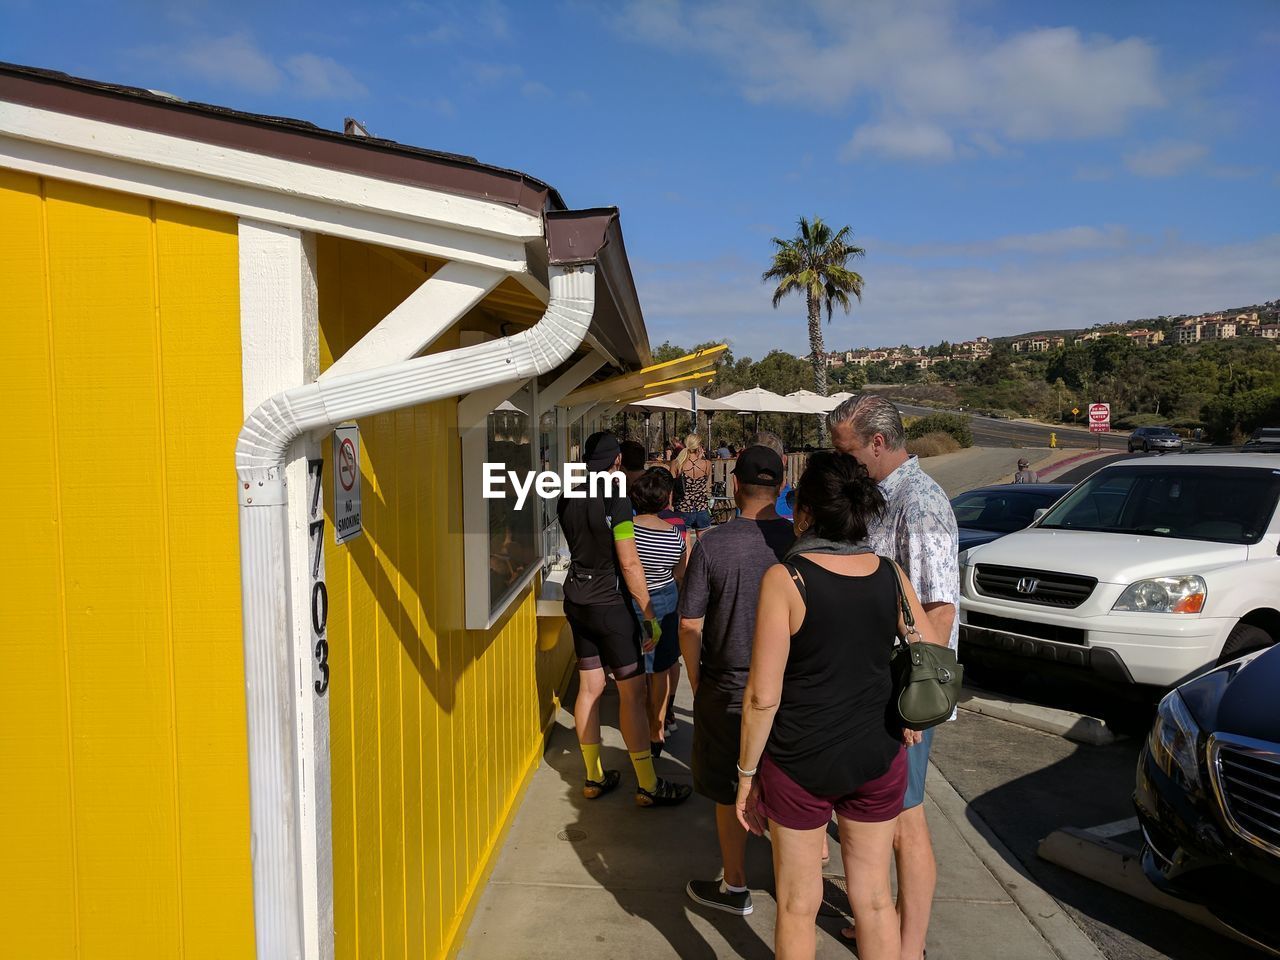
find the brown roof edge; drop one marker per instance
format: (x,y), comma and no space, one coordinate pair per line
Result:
(583,236)
(287,139)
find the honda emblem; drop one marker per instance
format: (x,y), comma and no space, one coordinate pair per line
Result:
(1028,585)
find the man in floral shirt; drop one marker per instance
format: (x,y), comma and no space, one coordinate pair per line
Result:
(918,530)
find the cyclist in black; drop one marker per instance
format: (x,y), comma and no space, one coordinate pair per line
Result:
(604,576)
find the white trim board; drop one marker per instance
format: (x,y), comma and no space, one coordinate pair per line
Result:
(280,346)
(275,174)
(365,222)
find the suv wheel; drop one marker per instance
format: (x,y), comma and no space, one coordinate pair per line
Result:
(1243,639)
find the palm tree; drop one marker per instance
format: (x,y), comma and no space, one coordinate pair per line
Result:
(814,261)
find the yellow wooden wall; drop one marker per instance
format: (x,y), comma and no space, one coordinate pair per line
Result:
(124,823)
(433,727)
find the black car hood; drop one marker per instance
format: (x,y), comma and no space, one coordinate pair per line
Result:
(1248,706)
(1238,698)
(970,537)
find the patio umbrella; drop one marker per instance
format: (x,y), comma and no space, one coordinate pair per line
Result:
(814,402)
(759,400)
(679,400)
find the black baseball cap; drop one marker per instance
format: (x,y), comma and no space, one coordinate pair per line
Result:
(602,449)
(759,465)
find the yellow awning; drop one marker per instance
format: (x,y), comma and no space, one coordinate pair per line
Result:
(659,374)
(662,387)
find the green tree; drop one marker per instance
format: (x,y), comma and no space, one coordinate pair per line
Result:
(814,262)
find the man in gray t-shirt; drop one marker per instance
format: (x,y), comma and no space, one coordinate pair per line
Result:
(717,625)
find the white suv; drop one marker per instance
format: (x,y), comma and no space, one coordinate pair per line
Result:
(1148,572)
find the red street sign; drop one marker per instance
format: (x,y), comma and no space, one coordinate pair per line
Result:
(1100,417)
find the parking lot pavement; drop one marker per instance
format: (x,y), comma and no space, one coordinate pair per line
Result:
(976,466)
(1025,784)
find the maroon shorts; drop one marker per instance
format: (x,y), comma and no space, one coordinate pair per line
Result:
(788,804)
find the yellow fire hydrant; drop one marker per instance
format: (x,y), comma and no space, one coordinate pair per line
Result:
(1053,441)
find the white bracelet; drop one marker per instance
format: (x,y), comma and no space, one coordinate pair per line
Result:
(746,773)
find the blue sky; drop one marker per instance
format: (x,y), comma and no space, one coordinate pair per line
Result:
(1008,166)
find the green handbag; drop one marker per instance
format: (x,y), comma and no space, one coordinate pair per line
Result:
(926,676)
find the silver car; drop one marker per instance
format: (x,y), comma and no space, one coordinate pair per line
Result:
(1148,439)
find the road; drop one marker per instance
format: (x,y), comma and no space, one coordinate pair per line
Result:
(1017,433)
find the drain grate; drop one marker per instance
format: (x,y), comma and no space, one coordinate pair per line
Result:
(572,834)
(835,897)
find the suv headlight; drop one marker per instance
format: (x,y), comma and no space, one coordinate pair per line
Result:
(1175,740)
(1164,595)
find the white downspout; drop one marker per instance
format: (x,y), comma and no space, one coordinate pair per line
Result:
(261,454)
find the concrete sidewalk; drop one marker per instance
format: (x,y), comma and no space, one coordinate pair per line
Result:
(604,878)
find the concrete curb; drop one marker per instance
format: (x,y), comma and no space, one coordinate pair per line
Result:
(1062,723)
(1118,867)
(1060,931)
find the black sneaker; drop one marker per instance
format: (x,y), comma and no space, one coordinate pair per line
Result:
(670,727)
(665,794)
(711,894)
(598,788)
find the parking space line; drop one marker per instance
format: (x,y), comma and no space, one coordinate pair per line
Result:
(1116,829)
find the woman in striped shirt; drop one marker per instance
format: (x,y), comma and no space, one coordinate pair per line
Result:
(663,554)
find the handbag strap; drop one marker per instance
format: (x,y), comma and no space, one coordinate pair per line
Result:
(904,605)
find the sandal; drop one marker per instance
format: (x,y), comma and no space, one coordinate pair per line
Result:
(591,789)
(666,794)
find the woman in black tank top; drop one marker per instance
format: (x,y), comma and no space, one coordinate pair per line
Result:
(819,734)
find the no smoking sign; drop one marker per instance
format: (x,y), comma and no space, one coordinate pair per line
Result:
(346,483)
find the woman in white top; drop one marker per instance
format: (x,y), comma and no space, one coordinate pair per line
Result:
(663,554)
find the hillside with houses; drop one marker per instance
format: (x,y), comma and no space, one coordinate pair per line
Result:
(1260,321)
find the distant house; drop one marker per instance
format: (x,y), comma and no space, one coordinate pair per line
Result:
(1037,344)
(1189,331)
(1144,337)
(1219,330)
(1269,331)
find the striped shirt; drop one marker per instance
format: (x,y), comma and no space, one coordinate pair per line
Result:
(660,552)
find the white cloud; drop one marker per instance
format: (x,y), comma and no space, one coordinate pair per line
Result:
(1165,159)
(323,78)
(909,139)
(923,303)
(236,61)
(233,61)
(491,74)
(488,74)
(920,68)
(1066,240)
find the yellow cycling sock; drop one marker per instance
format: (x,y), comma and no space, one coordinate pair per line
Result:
(645,775)
(591,757)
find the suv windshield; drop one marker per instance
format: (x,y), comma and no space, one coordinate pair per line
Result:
(1223,504)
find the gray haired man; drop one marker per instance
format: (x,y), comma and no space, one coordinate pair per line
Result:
(918,530)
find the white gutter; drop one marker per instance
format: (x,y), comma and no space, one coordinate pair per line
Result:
(262,452)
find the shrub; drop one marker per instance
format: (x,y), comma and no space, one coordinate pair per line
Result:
(932,444)
(952,424)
